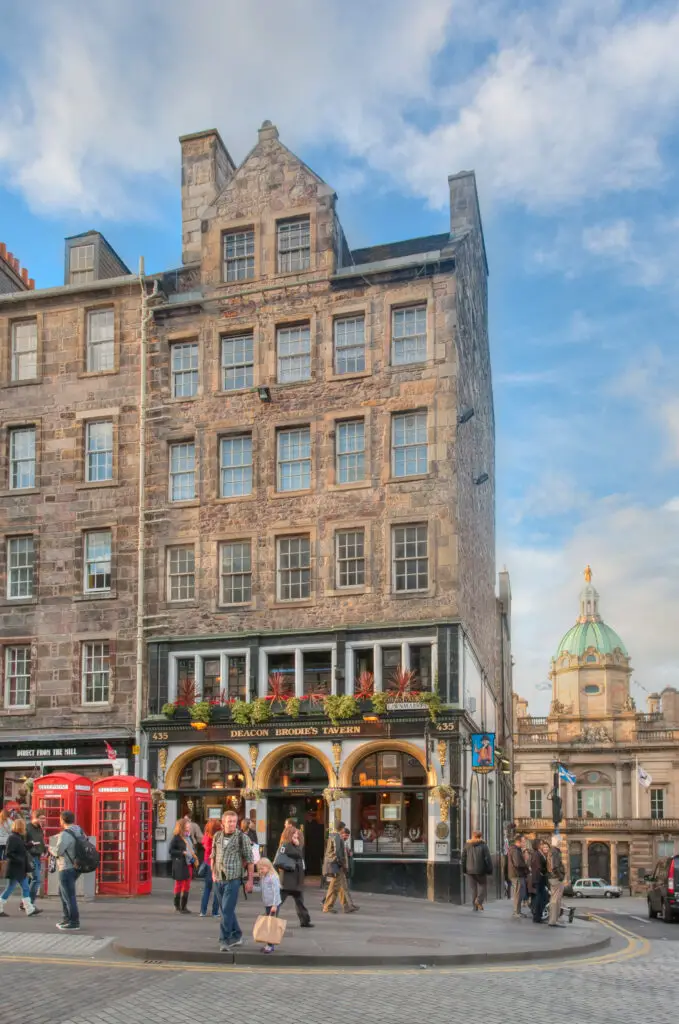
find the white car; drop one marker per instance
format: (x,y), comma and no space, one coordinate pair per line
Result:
(596,887)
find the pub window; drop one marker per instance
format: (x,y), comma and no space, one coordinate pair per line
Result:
(391,664)
(283,663)
(316,672)
(535,801)
(237,677)
(420,664)
(212,773)
(390,809)
(186,680)
(212,678)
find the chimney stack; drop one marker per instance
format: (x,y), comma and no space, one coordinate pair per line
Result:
(206,168)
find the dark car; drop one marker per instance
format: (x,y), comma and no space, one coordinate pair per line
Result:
(663,889)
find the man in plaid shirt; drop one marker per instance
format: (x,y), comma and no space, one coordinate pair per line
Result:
(231,852)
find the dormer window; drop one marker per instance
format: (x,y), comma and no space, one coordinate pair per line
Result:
(81,264)
(239,255)
(294,245)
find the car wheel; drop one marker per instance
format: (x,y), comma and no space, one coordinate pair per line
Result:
(667,914)
(651,912)
(608,895)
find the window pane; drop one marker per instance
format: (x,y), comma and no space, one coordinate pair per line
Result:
(96,672)
(236,466)
(350,451)
(98,560)
(236,572)
(238,362)
(18,676)
(317,672)
(20,562)
(22,458)
(100,327)
(294,568)
(535,796)
(409,335)
(239,255)
(181,572)
(294,459)
(294,353)
(237,678)
(182,471)
(350,558)
(657,803)
(184,369)
(420,662)
(99,452)
(350,345)
(294,251)
(410,558)
(391,663)
(391,823)
(24,351)
(82,257)
(409,444)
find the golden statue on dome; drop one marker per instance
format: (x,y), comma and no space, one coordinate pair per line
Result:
(588,574)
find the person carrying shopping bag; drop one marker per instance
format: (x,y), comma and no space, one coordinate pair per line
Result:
(271,898)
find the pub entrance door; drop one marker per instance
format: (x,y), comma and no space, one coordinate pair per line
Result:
(310,813)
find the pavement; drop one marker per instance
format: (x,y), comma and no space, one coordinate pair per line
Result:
(387,931)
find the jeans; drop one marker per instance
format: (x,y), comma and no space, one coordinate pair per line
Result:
(67,880)
(540,899)
(229,929)
(205,901)
(37,875)
(11,886)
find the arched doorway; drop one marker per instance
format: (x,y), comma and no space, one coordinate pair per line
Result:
(295,790)
(599,861)
(208,785)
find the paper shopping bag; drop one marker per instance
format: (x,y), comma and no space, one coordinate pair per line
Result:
(269,930)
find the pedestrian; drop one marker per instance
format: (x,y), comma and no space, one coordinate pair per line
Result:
(184,860)
(335,866)
(249,830)
(231,852)
(477,865)
(290,862)
(62,846)
(346,839)
(557,877)
(37,847)
(518,872)
(213,826)
(539,873)
(5,831)
(271,893)
(19,866)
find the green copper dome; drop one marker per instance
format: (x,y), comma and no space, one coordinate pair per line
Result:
(590,631)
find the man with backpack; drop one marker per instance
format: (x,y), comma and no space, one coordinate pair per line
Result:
(231,852)
(75,856)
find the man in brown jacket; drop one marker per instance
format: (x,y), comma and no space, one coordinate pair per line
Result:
(518,873)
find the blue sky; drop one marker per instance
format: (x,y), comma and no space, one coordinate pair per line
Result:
(567,112)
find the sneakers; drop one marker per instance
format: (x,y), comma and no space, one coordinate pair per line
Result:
(237,942)
(268,948)
(68,926)
(202,914)
(223,948)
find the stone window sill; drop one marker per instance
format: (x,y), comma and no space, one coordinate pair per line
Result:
(97,373)
(22,383)
(18,602)
(19,492)
(18,712)
(96,485)
(109,595)
(88,709)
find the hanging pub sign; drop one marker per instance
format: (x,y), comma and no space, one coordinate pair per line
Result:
(483,751)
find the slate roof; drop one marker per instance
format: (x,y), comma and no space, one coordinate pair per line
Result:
(392,250)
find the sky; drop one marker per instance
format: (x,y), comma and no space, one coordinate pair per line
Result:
(568,112)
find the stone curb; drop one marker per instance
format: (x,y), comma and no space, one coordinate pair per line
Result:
(252,959)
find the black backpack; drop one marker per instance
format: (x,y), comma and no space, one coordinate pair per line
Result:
(85,856)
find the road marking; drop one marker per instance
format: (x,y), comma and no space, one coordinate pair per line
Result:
(635,947)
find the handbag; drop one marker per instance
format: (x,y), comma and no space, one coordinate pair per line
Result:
(283,861)
(269,930)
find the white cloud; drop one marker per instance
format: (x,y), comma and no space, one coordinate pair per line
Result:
(572,102)
(634,552)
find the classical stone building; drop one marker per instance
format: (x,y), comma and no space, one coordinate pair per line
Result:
(614,828)
(320,499)
(69,391)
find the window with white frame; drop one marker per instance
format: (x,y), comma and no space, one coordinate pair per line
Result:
(409,335)
(100,339)
(535,803)
(18,676)
(97,561)
(21,458)
(236,572)
(294,245)
(210,675)
(24,362)
(81,264)
(410,558)
(350,448)
(181,573)
(238,362)
(20,567)
(235,466)
(420,661)
(239,255)
(99,451)
(316,672)
(409,443)
(657,803)
(350,558)
(383,659)
(307,669)
(293,557)
(183,471)
(350,344)
(294,459)
(96,672)
(294,353)
(184,362)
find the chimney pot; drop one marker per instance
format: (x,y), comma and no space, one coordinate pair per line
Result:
(3,250)
(31,283)
(24,275)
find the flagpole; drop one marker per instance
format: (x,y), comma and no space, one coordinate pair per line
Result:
(636,789)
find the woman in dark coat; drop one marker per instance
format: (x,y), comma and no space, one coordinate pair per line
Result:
(292,872)
(184,860)
(20,863)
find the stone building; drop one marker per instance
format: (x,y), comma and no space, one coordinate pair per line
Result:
(69,391)
(613,827)
(320,516)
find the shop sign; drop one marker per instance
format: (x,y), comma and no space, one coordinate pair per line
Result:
(405,705)
(46,751)
(483,752)
(291,732)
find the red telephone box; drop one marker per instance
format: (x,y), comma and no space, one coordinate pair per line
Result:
(64,791)
(123,819)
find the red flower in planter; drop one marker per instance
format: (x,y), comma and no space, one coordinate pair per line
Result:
(279,687)
(364,686)
(401,682)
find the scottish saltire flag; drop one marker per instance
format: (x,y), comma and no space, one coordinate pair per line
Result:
(566,775)
(644,778)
